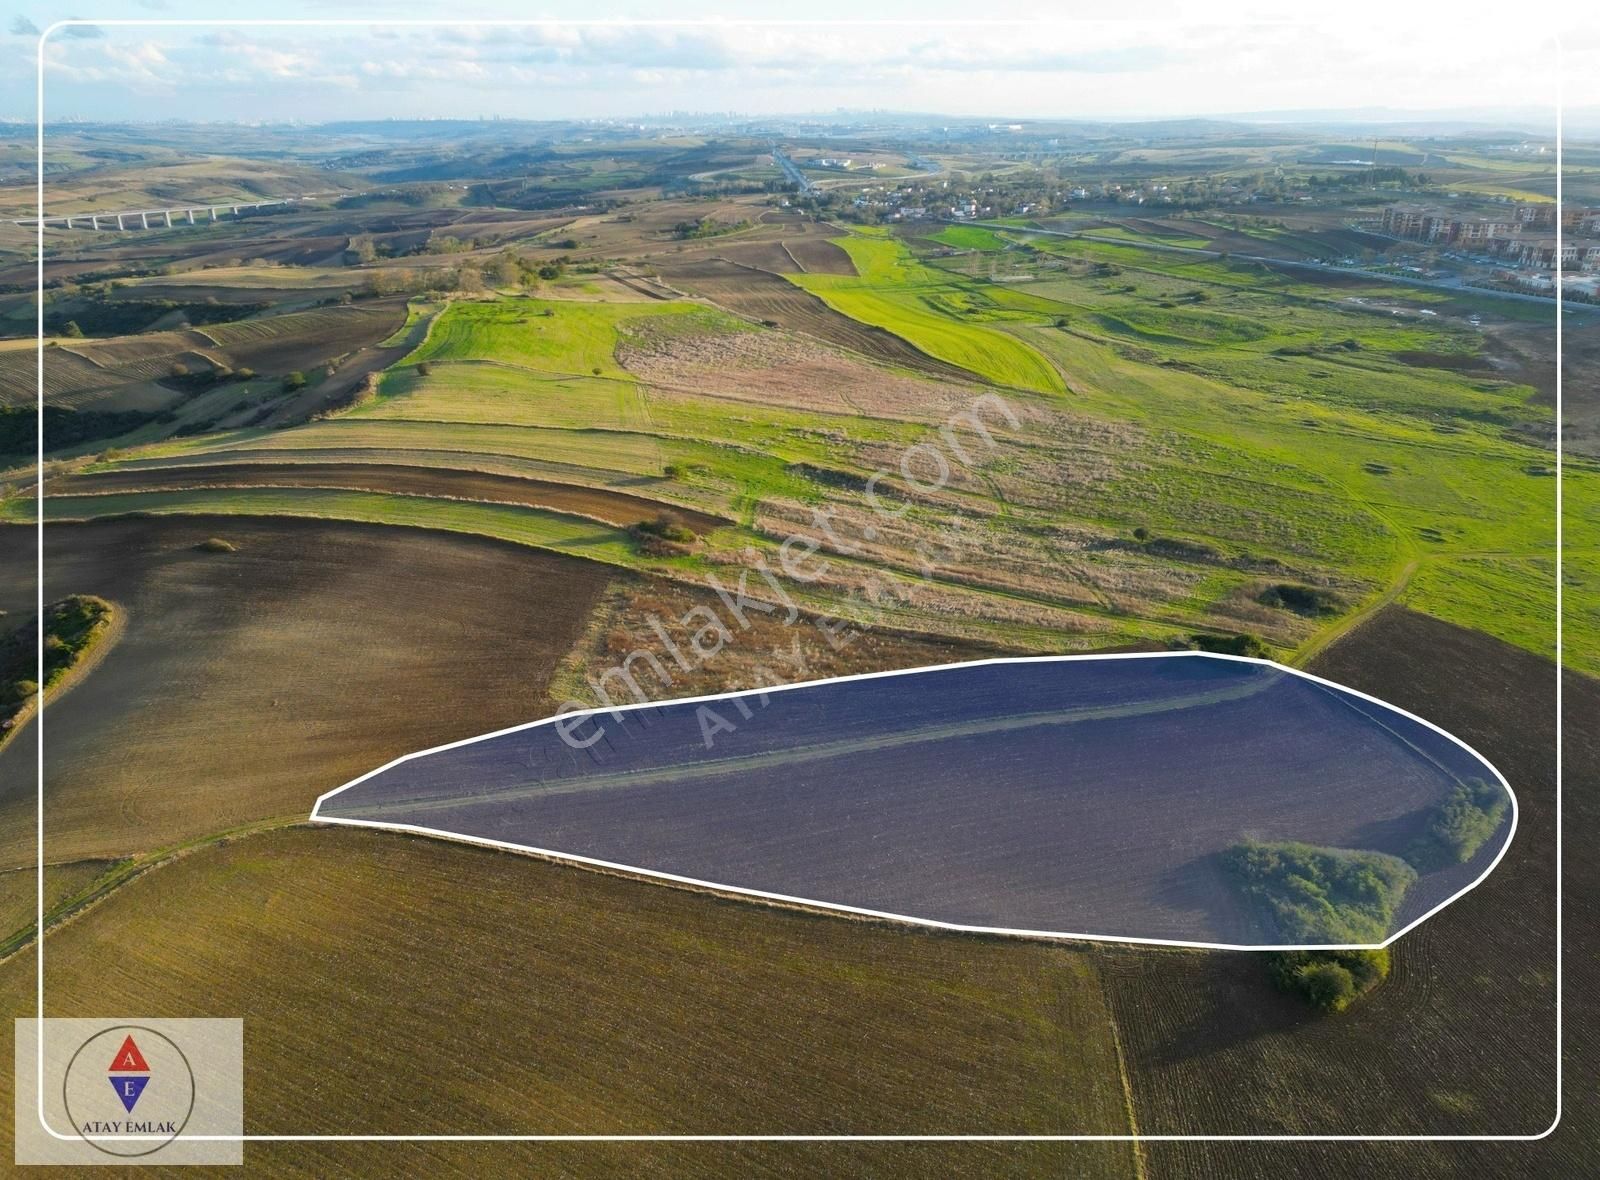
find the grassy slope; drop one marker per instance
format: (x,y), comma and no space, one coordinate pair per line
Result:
(893,291)
(553,335)
(1425,453)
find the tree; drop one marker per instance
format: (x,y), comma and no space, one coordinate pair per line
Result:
(1328,986)
(506,270)
(72,329)
(295,380)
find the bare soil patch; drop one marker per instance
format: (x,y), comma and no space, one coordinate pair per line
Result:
(247,683)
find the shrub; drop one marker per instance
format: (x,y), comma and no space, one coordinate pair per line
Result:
(1329,980)
(424,368)
(179,369)
(216,545)
(1459,826)
(1232,645)
(1304,600)
(295,380)
(244,374)
(1321,895)
(666,527)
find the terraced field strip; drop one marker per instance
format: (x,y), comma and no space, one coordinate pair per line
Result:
(612,507)
(563,533)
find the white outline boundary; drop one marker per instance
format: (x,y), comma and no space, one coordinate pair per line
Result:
(1031,24)
(810,903)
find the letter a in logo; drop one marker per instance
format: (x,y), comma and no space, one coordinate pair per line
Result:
(129,1074)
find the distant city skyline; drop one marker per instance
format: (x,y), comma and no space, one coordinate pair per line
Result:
(1172,67)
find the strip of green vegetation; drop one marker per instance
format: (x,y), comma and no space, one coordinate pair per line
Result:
(539,527)
(1321,895)
(969,237)
(72,627)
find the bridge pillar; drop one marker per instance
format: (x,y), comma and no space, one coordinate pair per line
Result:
(168,215)
(120,226)
(190,212)
(144,221)
(236,210)
(213,214)
(94,221)
(69,223)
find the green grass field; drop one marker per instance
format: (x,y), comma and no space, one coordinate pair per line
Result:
(944,318)
(560,336)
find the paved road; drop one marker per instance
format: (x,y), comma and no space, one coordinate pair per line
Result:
(790,169)
(1456,288)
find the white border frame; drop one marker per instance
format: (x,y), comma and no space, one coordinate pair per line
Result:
(375,22)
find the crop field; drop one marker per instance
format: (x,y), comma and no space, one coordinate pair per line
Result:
(763,295)
(1461,1036)
(246,679)
(749,1018)
(116,373)
(538,527)
(493,392)
(841,793)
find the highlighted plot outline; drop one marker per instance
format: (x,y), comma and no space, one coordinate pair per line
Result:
(1094,797)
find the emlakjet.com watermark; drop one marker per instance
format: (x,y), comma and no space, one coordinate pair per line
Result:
(925,468)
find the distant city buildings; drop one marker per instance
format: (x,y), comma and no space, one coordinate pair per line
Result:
(1524,236)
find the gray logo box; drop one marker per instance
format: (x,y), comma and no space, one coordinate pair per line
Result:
(127,1091)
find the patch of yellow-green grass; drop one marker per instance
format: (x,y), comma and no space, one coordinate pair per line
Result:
(947,317)
(559,336)
(603,450)
(488,393)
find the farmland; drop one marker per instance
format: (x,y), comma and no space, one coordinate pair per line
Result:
(143,735)
(378,472)
(839,793)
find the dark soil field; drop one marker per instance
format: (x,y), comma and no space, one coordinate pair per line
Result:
(1090,797)
(1461,1037)
(247,683)
(92,370)
(764,295)
(617,508)
(819,257)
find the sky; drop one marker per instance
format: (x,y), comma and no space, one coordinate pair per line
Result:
(1154,63)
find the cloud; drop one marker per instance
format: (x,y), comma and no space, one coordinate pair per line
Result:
(23,27)
(82,32)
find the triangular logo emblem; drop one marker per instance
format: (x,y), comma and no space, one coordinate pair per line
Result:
(128,1059)
(128,1088)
